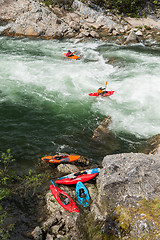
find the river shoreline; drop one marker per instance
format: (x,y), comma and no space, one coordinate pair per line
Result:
(35,19)
(125,179)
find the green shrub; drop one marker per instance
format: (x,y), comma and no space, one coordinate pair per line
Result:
(48,2)
(147,27)
(5,160)
(132,8)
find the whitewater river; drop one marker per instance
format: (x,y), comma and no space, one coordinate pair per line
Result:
(44,102)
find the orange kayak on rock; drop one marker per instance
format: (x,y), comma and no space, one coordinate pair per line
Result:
(61,158)
(71,57)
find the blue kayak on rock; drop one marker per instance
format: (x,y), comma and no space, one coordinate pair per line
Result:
(82,194)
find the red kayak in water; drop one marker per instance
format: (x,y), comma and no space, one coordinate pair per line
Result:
(75,179)
(105,94)
(63,199)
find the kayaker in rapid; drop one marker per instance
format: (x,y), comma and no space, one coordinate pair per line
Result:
(69,53)
(100,90)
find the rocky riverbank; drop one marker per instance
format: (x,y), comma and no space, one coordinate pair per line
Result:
(34,19)
(125,202)
(125,198)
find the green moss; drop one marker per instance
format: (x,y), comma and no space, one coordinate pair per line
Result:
(152,210)
(124,218)
(6,160)
(89,228)
(147,27)
(93,27)
(48,2)
(146,209)
(4,230)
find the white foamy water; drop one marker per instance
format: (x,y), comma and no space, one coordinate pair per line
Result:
(35,75)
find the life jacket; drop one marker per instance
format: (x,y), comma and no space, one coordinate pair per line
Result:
(100,91)
(69,53)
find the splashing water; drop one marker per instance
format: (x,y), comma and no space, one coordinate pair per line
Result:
(44,102)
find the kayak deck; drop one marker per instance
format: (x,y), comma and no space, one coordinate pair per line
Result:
(61,158)
(64,199)
(106,94)
(75,179)
(82,194)
(86,171)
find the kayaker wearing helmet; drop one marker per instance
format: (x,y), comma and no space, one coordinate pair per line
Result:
(100,91)
(69,53)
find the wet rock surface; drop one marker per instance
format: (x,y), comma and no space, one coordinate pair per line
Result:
(155,143)
(103,134)
(60,222)
(34,19)
(103,131)
(127,178)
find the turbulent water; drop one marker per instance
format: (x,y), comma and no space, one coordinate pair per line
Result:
(44,102)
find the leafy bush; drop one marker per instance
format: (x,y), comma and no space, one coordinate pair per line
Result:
(59,3)
(48,2)
(5,160)
(129,7)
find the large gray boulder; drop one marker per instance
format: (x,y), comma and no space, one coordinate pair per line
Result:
(127,178)
(32,18)
(38,21)
(127,202)
(96,18)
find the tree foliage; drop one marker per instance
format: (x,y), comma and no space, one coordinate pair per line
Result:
(5,160)
(128,7)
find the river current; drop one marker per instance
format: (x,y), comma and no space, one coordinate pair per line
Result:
(44,103)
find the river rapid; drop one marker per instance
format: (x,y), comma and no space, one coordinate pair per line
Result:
(44,103)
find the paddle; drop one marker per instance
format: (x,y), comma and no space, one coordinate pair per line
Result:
(106,84)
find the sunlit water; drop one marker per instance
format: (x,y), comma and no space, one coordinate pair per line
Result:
(44,102)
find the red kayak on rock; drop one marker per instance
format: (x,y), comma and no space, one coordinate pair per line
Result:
(75,179)
(105,94)
(63,199)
